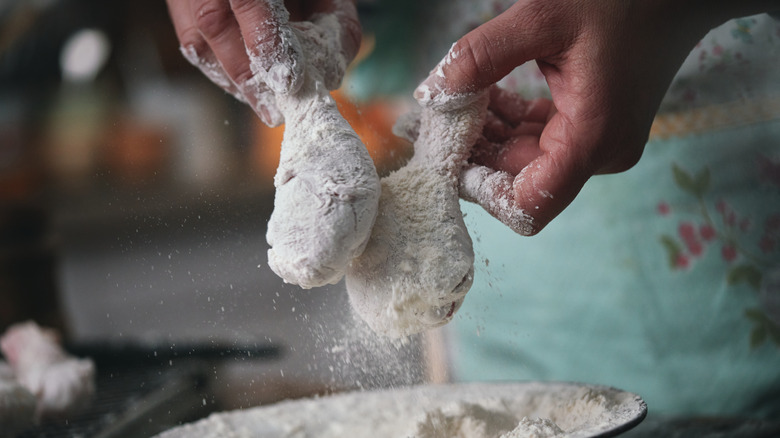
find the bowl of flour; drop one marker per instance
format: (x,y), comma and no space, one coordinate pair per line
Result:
(464,410)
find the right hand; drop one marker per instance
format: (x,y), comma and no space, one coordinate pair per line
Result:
(247,47)
(608,64)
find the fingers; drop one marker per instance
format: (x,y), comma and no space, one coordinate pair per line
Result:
(511,155)
(493,191)
(217,26)
(489,52)
(529,201)
(248,48)
(194,47)
(549,183)
(347,15)
(509,107)
(528,181)
(272,47)
(513,127)
(208,32)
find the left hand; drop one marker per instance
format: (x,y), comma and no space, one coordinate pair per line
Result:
(247,47)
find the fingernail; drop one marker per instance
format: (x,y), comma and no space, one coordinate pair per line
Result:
(426,92)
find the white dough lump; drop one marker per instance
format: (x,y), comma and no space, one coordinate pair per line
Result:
(419,262)
(61,384)
(327,189)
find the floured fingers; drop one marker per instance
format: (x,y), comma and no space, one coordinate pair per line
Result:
(494,191)
(212,40)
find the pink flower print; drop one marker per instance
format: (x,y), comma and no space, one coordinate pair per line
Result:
(682,261)
(744,224)
(663,208)
(717,50)
(707,232)
(729,253)
(688,235)
(721,207)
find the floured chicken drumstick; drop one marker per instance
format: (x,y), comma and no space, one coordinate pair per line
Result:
(17,404)
(419,263)
(327,189)
(62,384)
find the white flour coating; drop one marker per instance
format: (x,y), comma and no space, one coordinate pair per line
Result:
(484,410)
(277,61)
(494,191)
(61,383)
(327,188)
(535,428)
(465,420)
(419,263)
(212,70)
(431,93)
(491,189)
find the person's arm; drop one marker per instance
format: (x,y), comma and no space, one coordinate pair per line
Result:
(248,48)
(608,64)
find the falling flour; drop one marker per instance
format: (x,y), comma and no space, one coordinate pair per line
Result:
(538,410)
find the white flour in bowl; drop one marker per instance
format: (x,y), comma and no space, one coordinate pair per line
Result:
(483,410)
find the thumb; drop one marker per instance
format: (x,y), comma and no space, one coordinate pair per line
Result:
(488,53)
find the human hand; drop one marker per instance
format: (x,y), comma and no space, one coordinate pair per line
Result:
(608,65)
(250,47)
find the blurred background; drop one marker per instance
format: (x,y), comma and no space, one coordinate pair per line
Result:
(134,196)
